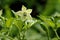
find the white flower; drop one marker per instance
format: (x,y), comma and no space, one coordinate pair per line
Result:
(24,13)
(25,17)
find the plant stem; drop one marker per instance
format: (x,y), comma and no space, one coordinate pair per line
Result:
(23,38)
(19,37)
(56,34)
(48,34)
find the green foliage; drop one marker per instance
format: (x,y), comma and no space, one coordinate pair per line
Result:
(16,26)
(21,25)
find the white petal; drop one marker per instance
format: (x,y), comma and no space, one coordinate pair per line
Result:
(29,17)
(13,11)
(29,11)
(23,8)
(20,13)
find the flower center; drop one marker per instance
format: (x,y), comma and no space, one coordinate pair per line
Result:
(24,14)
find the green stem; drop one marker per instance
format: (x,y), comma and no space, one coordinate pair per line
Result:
(19,36)
(56,31)
(23,38)
(6,37)
(56,35)
(48,34)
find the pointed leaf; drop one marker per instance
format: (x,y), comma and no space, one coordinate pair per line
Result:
(8,22)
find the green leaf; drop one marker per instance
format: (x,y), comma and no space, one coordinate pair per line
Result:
(56,14)
(58,23)
(55,38)
(19,24)
(7,13)
(48,21)
(0,12)
(14,31)
(8,22)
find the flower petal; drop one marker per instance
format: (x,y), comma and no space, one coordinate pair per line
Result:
(20,13)
(23,8)
(29,17)
(29,11)
(13,11)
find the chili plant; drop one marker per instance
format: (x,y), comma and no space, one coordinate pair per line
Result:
(14,28)
(17,25)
